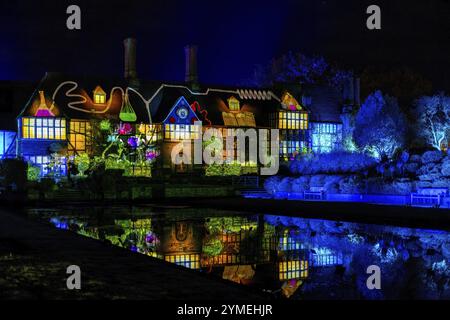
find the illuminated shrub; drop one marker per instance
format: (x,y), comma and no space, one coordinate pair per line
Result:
(432,156)
(271,184)
(445,170)
(33,173)
(411,167)
(226,169)
(352,184)
(82,162)
(317,181)
(334,162)
(300,184)
(213,247)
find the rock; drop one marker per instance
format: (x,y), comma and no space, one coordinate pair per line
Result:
(432,156)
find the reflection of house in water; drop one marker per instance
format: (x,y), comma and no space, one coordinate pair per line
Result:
(324,257)
(291,256)
(180,242)
(241,241)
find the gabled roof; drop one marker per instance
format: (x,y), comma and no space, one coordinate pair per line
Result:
(72,97)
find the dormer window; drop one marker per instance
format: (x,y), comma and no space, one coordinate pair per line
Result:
(99,95)
(233,104)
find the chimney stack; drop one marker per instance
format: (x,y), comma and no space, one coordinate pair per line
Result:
(130,59)
(191,76)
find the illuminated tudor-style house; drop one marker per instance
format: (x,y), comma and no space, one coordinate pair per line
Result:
(66,116)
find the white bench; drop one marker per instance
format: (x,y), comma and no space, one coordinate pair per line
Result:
(428,196)
(314,193)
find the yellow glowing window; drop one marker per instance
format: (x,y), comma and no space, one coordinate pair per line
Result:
(191,261)
(152,132)
(99,95)
(99,98)
(180,131)
(44,128)
(233,104)
(292,269)
(80,136)
(292,120)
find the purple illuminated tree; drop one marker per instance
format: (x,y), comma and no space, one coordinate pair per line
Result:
(433,114)
(380,126)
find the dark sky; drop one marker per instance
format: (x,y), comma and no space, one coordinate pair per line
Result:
(233,36)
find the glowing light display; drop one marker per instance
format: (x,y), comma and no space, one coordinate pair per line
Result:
(233,104)
(290,103)
(127,113)
(43,110)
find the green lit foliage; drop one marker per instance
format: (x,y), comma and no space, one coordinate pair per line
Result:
(82,162)
(226,169)
(105,125)
(33,173)
(212,247)
(225,224)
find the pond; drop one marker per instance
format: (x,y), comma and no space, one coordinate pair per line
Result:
(288,257)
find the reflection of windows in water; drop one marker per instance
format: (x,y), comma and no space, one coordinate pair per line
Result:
(293,269)
(191,261)
(323,257)
(288,243)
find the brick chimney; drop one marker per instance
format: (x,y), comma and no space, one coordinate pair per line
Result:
(191,76)
(130,72)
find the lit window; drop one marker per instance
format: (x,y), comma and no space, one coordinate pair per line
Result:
(99,95)
(292,120)
(152,132)
(180,131)
(233,104)
(325,136)
(44,128)
(80,136)
(191,261)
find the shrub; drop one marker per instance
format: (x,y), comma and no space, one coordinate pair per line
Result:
(33,173)
(334,162)
(412,167)
(300,184)
(352,184)
(317,180)
(271,184)
(82,162)
(445,170)
(432,156)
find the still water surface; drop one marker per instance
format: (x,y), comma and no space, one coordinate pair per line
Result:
(293,258)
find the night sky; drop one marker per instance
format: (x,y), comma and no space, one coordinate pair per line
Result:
(233,36)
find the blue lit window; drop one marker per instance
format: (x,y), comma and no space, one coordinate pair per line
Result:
(43,163)
(325,136)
